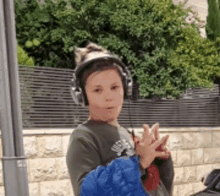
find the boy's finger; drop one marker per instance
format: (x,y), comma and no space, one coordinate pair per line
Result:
(165,142)
(137,139)
(167,151)
(164,157)
(155,131)
(162,154)
(152,137)
(146,132)
(163,148)
(156,144)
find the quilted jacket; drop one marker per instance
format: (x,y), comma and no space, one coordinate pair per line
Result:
(121,177)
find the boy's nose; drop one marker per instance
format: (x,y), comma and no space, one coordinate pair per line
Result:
(108,96)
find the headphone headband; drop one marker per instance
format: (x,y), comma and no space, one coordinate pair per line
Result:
(80,68)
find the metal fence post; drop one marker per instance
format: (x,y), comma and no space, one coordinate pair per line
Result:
(218,120)
(14,163)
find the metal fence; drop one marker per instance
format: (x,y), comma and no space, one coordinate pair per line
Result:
(47,103)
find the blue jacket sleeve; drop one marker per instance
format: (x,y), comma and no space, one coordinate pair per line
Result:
(121,177)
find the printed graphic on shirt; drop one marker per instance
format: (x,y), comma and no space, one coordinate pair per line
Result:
(123,148)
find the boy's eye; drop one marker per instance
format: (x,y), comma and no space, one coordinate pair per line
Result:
(98,90)
(115,87)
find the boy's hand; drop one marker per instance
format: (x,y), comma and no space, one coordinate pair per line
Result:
(147,149)
(154,137)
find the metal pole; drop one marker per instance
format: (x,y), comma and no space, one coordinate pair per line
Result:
(14,160)
(218,105)
(14,76)
(5,104)
(5,115)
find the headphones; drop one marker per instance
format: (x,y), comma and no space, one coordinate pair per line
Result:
(77,90)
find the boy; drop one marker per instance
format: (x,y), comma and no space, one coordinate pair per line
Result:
(101,160)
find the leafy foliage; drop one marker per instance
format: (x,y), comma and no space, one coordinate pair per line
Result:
(198,58)
(23,58)
(213,20)
(38,23)
(166,55)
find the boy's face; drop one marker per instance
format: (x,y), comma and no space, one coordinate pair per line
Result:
(104,89)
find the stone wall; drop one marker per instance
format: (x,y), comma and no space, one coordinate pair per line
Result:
(195,152)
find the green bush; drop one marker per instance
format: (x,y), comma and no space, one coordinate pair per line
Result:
(213,20)
(41,34)
(166,55)
(23,58)
(198,58)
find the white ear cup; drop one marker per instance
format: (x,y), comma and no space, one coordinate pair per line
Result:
(128,83)
(129,86)
(76,94)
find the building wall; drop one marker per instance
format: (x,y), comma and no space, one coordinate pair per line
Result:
(201,6)
(195,152)
(199,10)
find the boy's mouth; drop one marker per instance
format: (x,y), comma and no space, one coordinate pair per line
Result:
(110,107)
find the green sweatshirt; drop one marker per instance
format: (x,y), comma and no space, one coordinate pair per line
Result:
(96,143)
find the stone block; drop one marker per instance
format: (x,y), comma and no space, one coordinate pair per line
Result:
(1,174)
(183,158)
(62,168)
(1,153)
(176,141)
(179,175)
(55,188)
(211,155)
(185,189)
(34,189)
(174,157)
(216,166)
(189,140)
(71,189)
(197,140)
(197,156)
(189,174)
(50,146)
(42,169)
(198,186)
(65,140)
(202,171)
(175,191)
(216,139)
(2,191)
(29,170)
(30,146)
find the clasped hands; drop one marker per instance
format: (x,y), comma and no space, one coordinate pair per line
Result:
(150,147)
